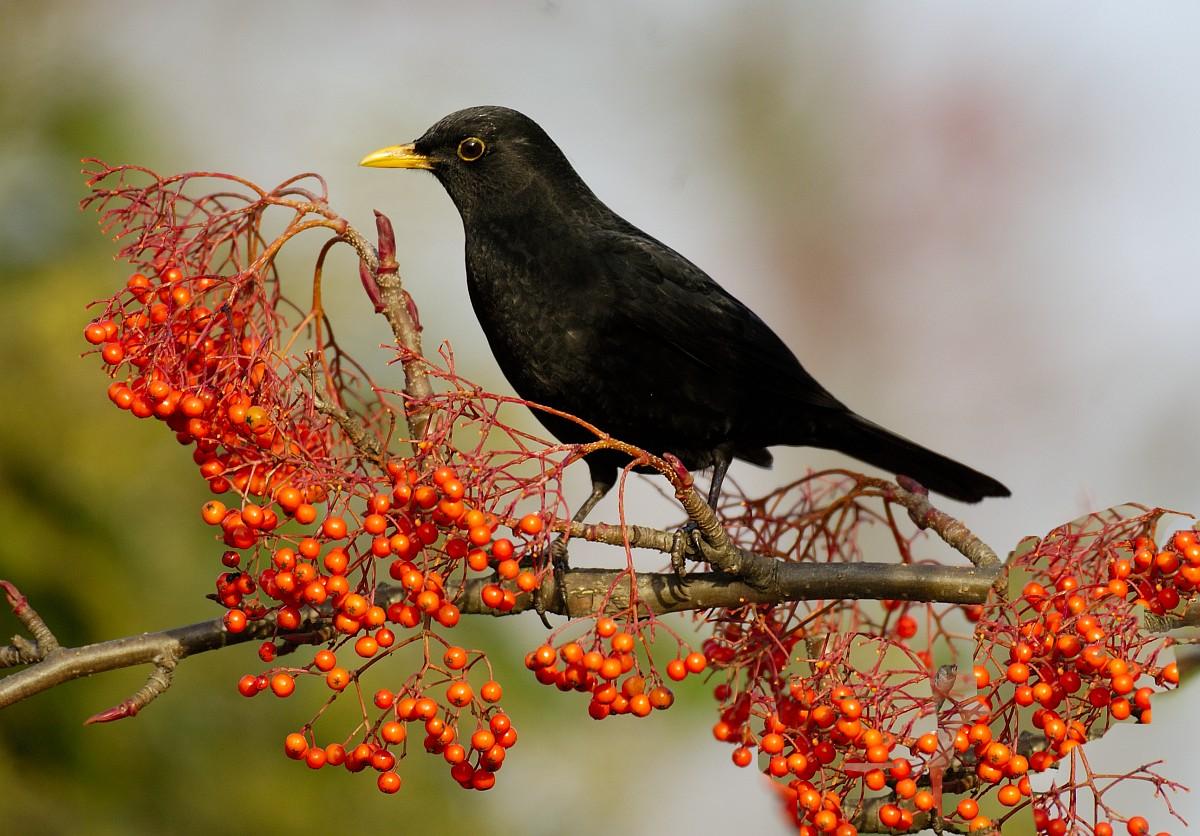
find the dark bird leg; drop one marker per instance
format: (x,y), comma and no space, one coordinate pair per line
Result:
(603,479)
(604,476)
(722,456)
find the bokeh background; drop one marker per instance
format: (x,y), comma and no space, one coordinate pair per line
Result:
(976,223)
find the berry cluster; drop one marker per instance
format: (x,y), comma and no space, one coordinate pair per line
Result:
(596,663)
(200,338)
(473,761)
(425,533)
(836,700)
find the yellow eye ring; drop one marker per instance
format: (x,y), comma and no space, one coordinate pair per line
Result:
(471,149)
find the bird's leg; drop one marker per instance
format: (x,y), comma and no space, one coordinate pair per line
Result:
(602,483)
(690,533)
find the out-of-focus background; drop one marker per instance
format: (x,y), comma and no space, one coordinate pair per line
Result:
(976,223)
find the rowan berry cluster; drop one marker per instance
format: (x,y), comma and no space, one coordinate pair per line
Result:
(1068,658)
(199,338)
(605,664)
(846,709)
(413,527)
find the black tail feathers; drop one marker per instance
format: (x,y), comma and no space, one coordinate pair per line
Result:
(871,443)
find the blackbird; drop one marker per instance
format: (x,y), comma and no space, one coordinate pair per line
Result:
(589,315)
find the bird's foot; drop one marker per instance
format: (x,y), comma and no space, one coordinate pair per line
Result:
(690,543)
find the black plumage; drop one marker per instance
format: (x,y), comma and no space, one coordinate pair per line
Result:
(588,314)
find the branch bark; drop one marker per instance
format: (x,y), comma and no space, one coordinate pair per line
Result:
(586,590)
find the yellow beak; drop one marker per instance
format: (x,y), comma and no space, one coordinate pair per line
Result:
(396,156)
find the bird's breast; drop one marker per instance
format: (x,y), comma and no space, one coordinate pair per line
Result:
(543,331)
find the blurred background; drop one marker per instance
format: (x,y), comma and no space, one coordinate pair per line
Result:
(975,223)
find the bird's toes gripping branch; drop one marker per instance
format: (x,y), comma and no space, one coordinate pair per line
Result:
(703,538)
(689,542)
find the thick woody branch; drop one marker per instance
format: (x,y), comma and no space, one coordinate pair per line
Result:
(590,591)
(162,649)
(586,591)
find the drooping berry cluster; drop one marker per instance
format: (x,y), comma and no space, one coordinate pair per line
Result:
(605,663)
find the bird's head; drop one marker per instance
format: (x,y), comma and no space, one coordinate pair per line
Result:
(487,157)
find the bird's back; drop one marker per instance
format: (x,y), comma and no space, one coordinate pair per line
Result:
(600,320)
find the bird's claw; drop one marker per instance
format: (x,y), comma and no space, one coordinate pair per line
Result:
(679,547)
(688,542)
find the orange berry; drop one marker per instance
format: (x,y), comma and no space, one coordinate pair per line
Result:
(661,697)
(282,684)
(455,658)
(393,732)
(492,595)
(388,782)
(295,746)
(334,528)
(113,353)
(531,524)
(1008,795)
(213,512)
(606,628)
(622,643)
(459,694)
(772,744)
(235,621)
(889,815)
(851,708)
(355,605)
(337,679)
(927,743)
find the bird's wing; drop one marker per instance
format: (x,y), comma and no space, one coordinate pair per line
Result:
(699,325)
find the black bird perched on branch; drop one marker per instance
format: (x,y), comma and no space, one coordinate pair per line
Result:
(588,314)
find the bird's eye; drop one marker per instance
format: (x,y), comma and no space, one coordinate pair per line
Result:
(471,149)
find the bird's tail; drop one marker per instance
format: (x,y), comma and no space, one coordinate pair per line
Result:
(876,446)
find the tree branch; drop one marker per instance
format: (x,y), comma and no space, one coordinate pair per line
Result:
(586,590)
